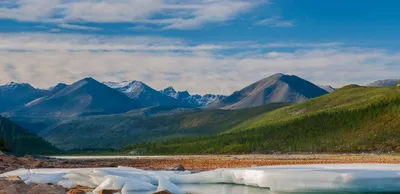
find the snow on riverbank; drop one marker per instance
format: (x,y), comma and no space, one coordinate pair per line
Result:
(295,178)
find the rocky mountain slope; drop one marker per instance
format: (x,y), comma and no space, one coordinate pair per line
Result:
(328,88)
(57,87)
(276,88)
(384,83)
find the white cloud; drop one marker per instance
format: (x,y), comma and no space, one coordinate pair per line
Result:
(55,30)
(78,27)
(175,14)
(276,22)
(197,68)
(30,10)
(73,42)
(78,42)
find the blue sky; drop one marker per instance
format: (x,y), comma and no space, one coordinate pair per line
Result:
(204,46)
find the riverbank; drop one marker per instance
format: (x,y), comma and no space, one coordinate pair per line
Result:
(210,162)
(193,163)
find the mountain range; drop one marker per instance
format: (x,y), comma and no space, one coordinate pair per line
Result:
(85,97)
(90,97)
(90,114)
(192,100)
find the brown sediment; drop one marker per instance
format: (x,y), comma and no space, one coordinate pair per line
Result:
(209,162)
(197,162)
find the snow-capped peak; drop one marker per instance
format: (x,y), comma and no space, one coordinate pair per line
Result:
(132,86)
(169,91)
(118,84)
(14,85)
(205,99)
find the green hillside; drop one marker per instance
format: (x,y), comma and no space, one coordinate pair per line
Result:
(351,119)
(21,142)
(116,131)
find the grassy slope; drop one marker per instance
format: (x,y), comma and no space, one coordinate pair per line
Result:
(352,119)
(115,131)
(349,97)
(20,141)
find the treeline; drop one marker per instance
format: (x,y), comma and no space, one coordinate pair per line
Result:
(372,128)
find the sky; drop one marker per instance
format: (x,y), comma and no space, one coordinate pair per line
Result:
(203,46)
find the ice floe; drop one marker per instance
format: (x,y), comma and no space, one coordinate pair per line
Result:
(292,178)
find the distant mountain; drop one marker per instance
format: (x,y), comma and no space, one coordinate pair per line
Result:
(182,95)
(193,100)
(327,88)
(21,142)
(144,94)
(170,91)
(384,83)
(85,97)
(15,95)
(57,87)
(204,100)
(276,88)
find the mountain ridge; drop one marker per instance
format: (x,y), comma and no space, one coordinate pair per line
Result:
(195,100)
(144,94)
(276,88)
(384,83)
(15,95)
(86,96)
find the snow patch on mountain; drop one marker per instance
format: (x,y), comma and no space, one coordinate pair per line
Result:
(170,91)
(194,100)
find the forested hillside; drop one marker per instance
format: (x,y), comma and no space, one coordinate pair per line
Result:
(155,124)
(20,142)
(352,119)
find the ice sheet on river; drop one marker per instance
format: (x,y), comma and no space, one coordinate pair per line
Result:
(294,178)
